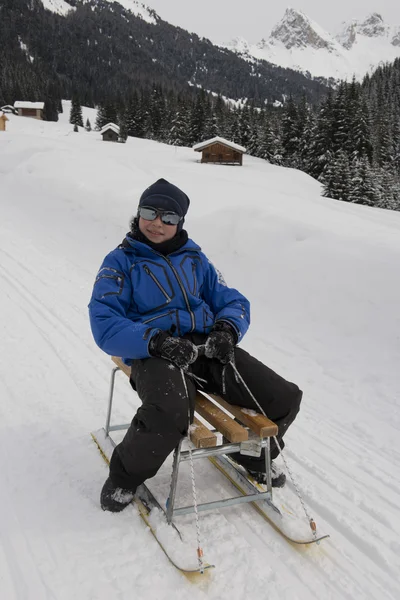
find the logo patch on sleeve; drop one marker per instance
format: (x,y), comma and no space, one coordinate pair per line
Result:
(221,278)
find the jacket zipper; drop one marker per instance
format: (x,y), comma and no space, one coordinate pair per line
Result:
(154,278)
(194,278)
(157,317)
(183,291)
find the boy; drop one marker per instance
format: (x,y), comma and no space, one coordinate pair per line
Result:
(156,299)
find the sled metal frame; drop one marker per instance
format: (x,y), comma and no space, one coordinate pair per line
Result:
(182,456)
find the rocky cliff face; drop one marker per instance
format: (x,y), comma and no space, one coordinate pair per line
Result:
(372,27)
(296,31)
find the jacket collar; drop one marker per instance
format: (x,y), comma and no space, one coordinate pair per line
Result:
(131,245)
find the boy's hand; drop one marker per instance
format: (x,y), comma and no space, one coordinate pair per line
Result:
(220,344)
(179,351)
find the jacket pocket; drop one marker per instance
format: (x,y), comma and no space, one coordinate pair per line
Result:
(189,269)
(166,314)
(158,284)
(109,282)
(208,320)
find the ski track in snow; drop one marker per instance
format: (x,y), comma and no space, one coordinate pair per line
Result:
(55,542)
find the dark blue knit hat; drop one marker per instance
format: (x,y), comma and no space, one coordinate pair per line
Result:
(165,196)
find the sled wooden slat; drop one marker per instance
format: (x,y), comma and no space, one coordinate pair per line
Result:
(200,435)
(257,422)
(229,428)
(119,362)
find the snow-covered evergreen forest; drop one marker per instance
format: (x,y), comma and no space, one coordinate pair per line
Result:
(350,142)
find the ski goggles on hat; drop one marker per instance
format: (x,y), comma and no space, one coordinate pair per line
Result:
(167,217)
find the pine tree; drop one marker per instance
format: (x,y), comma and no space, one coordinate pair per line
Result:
(321,146)
(234,126)
(306,141)
(179,134)
(156,114)
(253,145)
(88,126)
(197,121)
(337,179)
(100,118)
(363,188)
(290,133)
(211,125)
(135,116)
(123,125)
(220,112)
(244,126)
(75,117)
(390,189)
(340,120)
(361,134)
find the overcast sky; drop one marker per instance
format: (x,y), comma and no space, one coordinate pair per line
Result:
(222,20)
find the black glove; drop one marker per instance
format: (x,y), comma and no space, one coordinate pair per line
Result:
(179,351)
(220,344)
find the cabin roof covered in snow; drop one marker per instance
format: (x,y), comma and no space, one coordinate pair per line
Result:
(7,108)
(112,126)
(23,104)
(216,140)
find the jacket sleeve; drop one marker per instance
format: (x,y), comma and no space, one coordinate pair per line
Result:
(226,303)
(113,331)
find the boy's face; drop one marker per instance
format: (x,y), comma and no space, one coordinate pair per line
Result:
(156,231)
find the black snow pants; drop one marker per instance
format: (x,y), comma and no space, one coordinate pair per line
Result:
(163,418)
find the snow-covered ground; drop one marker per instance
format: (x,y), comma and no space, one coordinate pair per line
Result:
(323,279)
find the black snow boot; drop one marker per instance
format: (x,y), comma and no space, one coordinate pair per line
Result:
(114,498)
(278,478)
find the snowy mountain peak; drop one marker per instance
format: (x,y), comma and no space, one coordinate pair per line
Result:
(396,37)
(239,44)
(296,30)
(297,42)
(372,27)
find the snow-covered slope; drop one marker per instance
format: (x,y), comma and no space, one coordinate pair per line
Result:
(322,277)
(57,6)
(137,8)
(299,43)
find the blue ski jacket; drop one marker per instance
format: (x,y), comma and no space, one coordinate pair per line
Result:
(139,291)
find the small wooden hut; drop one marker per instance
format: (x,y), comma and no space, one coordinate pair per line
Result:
(7,108)
(3,121)
(30,109)
(220,151)
(110,132)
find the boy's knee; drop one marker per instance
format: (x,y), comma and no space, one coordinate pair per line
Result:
(295,401)
(171,418)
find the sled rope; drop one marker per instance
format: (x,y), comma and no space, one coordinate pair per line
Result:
(311,521)
(198,533)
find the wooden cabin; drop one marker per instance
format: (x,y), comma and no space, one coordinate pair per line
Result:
(3,121)
(34,110)
(110,132)
(7,108)
(220,151)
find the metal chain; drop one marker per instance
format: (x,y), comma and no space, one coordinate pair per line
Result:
(311,521)
(198,533)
